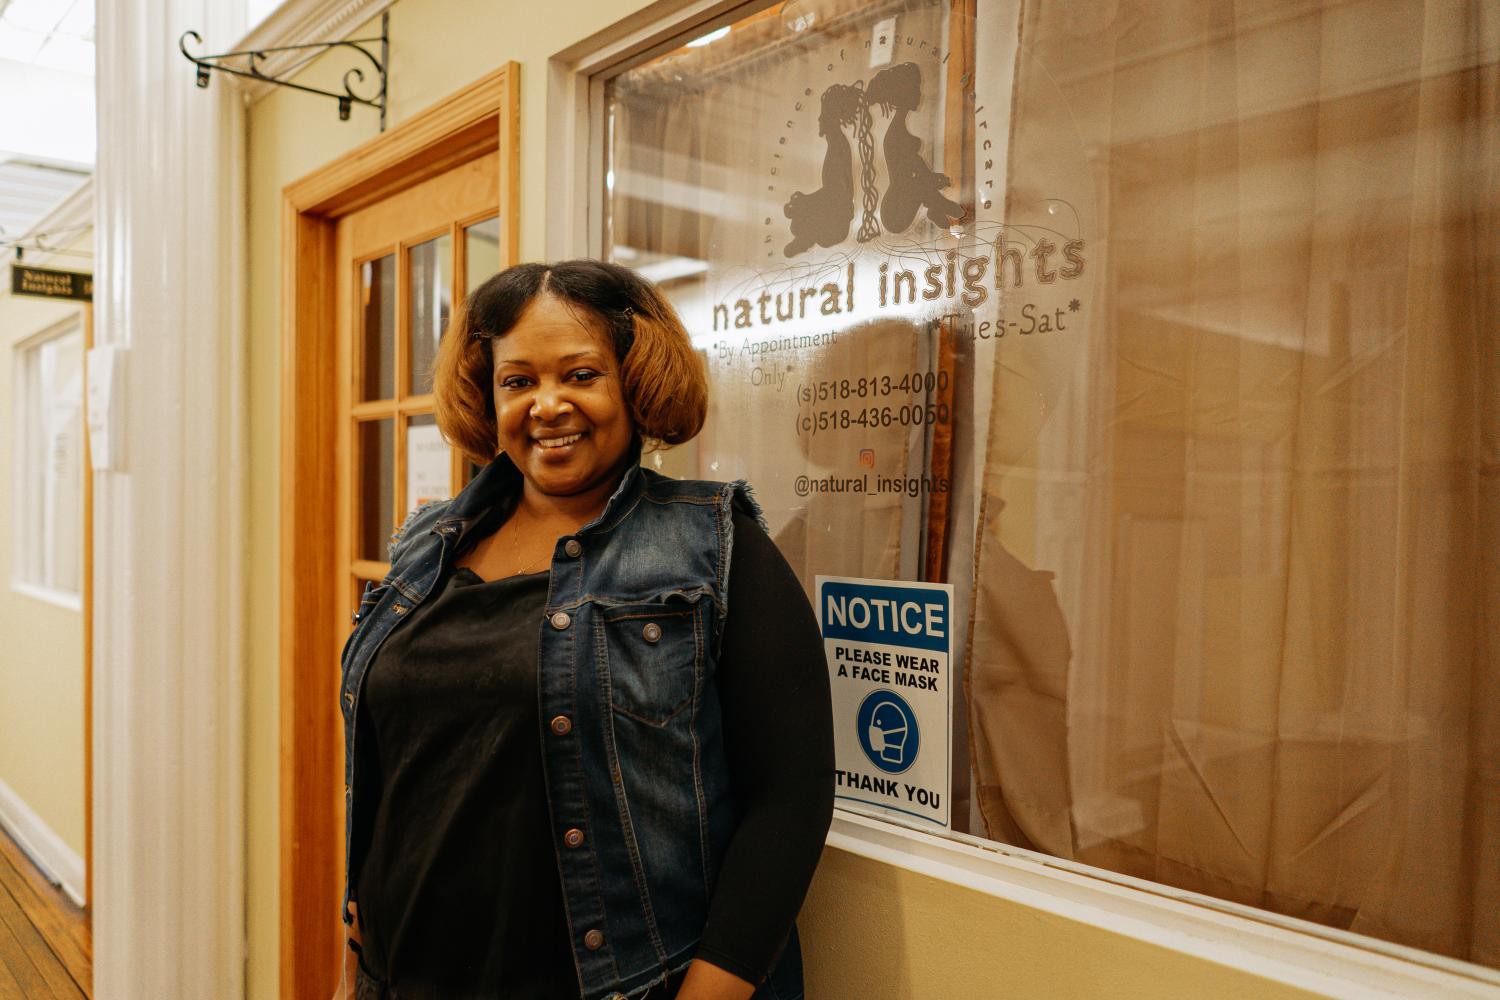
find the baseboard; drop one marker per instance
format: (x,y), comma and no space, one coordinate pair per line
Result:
(58,862)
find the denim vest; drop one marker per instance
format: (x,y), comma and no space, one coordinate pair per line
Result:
(632,739)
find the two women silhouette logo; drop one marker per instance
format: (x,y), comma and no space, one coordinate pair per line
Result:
(824,216)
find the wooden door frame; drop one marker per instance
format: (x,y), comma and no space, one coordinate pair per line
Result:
(479,119)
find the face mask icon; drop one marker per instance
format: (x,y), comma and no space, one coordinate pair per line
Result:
(888,733)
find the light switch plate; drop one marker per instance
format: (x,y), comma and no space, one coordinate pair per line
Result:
(106,368)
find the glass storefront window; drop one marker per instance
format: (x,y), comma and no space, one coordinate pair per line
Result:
(1167,340)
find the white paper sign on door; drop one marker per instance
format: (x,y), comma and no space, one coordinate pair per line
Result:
(889,646)
(428,461)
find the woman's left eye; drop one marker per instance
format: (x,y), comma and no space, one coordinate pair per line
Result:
(585,375)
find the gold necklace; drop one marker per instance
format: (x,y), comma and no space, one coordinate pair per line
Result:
(528,567)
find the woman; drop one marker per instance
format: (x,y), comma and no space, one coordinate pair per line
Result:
(588,741)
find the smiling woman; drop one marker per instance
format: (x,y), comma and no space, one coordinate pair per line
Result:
(599,750)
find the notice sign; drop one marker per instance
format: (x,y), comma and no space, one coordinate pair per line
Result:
(889,646)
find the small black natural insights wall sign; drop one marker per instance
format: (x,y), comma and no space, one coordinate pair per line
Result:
(49,284)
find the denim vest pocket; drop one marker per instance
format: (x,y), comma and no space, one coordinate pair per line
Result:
(372,594)
(653,652)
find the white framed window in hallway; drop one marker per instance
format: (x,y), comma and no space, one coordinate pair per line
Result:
(47,468)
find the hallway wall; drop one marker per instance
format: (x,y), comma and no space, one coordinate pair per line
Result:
(41,660)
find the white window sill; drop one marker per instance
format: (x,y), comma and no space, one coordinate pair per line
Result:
(1282,949)
(48,595)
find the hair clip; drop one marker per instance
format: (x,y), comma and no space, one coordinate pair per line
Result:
(629,312)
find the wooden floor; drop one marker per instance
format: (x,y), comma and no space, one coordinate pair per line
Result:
(45,946)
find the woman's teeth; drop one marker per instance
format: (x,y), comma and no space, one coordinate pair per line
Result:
(558,442)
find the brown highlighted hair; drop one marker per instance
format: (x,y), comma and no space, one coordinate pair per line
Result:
(662,377)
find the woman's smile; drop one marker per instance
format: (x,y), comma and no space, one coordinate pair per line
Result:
(551,443)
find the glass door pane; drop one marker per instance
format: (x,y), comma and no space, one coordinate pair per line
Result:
(377,281)
(430,300)
(377,488)
(481,252)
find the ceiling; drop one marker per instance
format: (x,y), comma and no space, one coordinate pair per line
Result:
(52,34)
(28,191)
(47,48)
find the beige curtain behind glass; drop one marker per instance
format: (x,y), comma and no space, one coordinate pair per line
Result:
(700,174)
(1237,621)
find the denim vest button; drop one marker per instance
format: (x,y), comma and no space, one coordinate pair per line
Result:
(561,620)
(652,632)
(562,725)
(594,940)
(573,838)
(572,548)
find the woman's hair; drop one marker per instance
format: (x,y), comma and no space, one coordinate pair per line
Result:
(662,377)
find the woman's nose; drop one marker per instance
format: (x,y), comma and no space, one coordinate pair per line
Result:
(549,403)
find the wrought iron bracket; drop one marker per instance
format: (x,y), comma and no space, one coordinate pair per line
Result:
(251,60)
(44,243)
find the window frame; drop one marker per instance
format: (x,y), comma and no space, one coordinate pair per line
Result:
(24,463)
(1287,950)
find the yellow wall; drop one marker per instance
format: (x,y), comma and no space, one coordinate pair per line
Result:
(41,664)
(870,930)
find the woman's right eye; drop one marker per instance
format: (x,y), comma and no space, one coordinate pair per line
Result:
(515,382)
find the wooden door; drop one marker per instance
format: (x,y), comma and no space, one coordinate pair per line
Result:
(378,249)
(403,263)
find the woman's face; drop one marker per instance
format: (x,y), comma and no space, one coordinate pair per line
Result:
(559,405)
